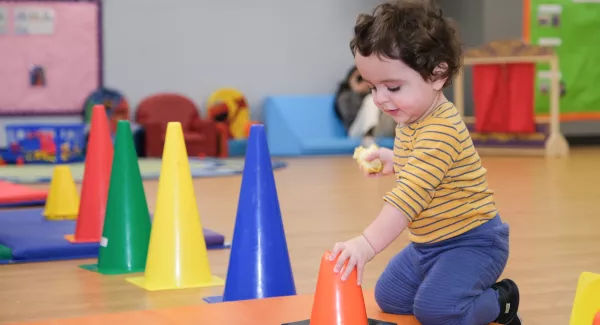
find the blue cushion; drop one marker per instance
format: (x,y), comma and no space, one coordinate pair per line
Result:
(385,142)
(237,147)
(330,146)
(306,125)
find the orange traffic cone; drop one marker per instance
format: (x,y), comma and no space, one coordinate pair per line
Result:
(96,180)
(337,301)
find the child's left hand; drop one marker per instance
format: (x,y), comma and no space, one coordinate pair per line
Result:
(357,251)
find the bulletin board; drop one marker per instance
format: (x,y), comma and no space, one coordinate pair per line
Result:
(571,28)
(51,55)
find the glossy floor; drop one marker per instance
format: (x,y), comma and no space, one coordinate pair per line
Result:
(551,205)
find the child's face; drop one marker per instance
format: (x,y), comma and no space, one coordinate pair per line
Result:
(397,89)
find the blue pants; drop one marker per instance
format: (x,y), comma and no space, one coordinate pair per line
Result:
(448,282)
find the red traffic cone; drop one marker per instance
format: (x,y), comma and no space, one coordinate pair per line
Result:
(96,180)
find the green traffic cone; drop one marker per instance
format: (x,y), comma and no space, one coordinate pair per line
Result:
(126,232)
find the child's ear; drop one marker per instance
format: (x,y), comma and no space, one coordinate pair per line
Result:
(438,83)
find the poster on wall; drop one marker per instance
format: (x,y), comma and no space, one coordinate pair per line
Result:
(3,20)
(571,28)
(50,56)
(33,20)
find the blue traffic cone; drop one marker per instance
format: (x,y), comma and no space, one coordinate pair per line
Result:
(259,263)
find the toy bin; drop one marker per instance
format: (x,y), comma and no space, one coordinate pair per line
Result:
(47,143)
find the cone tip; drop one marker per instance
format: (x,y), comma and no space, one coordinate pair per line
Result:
(174,129)
(123,123)
(257,130)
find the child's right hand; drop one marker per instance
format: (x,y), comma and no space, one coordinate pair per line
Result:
(385,155)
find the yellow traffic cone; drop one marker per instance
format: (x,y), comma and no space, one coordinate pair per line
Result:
(177,255)
(62,202)
(586,303)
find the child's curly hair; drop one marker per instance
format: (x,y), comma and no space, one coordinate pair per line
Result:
(413,31)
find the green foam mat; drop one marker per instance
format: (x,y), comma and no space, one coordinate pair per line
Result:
(149,168)
(5,253)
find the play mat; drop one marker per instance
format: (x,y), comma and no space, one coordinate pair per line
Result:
(149,168)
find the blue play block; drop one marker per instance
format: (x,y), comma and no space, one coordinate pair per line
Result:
(237,147)
(302,125)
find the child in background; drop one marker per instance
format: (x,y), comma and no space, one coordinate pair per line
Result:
(408,52)
(355,108)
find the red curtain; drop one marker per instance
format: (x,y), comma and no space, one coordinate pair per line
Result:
(504,97)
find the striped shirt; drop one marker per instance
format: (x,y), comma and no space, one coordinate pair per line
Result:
(441,185)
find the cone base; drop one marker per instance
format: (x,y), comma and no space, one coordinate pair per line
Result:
(60,217)
(95,268)
(370,321)
(141,282)
(219,299)
(213,299)
(71,238)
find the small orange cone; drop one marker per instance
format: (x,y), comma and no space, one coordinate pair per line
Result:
(96,180)
(337,301)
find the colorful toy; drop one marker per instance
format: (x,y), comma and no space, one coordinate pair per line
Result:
(44,143)
(116,105)
(230,107)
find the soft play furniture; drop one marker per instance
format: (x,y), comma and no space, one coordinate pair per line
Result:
(236,115)
(218,113)
(299,125)
(228,107)
(153,114)
(117,107)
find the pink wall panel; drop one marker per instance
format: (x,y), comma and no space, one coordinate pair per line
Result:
(69,58)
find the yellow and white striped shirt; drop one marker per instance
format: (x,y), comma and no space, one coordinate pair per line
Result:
(441,185)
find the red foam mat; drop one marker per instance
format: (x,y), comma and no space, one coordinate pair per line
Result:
(16,195)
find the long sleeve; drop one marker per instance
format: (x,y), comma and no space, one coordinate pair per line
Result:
(436,147)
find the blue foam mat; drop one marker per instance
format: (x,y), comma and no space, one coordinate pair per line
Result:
(32,238)
(23,204)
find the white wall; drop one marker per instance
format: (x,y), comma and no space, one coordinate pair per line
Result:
(194,46)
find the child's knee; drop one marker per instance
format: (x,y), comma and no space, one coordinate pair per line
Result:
(431,309)
(432,314)
(392,299)
(396,288)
